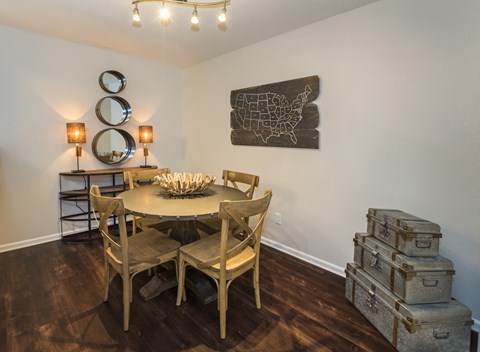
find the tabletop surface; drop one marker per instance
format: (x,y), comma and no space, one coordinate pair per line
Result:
(152,201)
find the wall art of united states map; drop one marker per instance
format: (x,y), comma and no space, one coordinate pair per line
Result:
(276,115)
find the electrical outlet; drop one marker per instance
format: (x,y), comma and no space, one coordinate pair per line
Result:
(278,218)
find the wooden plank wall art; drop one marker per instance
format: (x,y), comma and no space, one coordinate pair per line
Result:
(276,115)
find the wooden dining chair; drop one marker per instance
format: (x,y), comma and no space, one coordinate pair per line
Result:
(139,178)
(239,180)
(224,257)
(128,256)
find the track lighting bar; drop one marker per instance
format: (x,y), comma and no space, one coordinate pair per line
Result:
(165,14)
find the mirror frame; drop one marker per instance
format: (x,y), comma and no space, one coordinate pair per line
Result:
(129,150)
(126,110)
(120,78)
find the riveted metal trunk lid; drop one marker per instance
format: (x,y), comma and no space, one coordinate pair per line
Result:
(407,233)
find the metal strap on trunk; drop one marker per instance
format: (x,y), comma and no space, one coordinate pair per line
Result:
(371,303)
(381,257)
(368,289)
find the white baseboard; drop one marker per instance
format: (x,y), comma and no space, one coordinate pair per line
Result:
(305,257)
(44,239)
(39,240)
(476,327)
(27,243)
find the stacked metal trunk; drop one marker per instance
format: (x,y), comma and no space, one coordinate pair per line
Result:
(401,284)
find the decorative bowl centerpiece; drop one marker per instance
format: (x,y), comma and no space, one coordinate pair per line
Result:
(184,184)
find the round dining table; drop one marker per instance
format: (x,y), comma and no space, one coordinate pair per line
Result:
(151,201)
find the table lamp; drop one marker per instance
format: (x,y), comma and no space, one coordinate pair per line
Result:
(145,136)
(76,134)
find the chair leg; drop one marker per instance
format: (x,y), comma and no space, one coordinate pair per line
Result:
(222,297)
(256,285)
(134,225)
(226,295)
(184,295)
(131,288)
(126,301)
(218,290)
(181,280)
(106,281)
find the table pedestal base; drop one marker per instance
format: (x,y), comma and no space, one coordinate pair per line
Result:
(184,232)
(158,283)
(198,283)
(201,286)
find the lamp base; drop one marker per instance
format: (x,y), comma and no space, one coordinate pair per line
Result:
(146,166)
(77,171)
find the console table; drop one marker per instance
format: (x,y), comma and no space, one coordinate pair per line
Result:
(111,183)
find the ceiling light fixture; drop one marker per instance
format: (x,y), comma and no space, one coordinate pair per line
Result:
(136,14)
(223,15)
(194,19)
(165,14)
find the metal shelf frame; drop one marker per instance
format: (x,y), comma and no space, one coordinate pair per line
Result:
(115,185)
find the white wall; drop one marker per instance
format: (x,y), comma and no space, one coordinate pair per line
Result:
(46,82)
(400,126)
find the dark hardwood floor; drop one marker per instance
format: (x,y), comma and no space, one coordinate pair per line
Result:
(51,300)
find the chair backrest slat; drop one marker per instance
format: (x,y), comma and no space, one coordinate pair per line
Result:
(138,178)
(238,211)
(106,207)
(235,177)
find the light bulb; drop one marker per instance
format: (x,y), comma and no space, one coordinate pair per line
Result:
(164,13)
(223,16)
(194,19)
(136,15)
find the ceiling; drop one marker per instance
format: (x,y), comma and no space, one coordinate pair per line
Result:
(108,24)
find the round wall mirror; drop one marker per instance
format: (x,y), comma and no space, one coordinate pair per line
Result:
(113,111)
(113,146)
(112,81)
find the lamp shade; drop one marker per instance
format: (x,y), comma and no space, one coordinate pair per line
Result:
(76,132)
(145,134)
